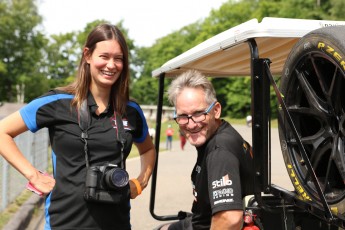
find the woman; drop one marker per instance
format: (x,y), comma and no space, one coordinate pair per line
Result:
(102,84)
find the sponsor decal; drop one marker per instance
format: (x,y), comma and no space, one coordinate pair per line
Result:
(284,145)
(326,24)
(124,122)
(224,181)
(307,45)
(221,193)
(303,194)
(223,201)
(332,52)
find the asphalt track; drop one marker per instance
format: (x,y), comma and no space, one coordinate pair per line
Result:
(173,192)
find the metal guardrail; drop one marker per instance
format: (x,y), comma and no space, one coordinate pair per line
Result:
(35,147)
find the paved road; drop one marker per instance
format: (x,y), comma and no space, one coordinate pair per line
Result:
(173,192)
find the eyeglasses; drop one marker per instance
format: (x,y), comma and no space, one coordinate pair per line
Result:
(196,117)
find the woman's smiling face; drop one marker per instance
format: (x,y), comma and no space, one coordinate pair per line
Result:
(106,63)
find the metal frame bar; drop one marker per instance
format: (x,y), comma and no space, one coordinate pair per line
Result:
(260,124)
(157,141)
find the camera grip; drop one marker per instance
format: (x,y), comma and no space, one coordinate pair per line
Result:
(106,196)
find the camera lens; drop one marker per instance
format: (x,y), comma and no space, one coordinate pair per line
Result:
(117,178)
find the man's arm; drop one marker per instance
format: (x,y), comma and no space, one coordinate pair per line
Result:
(227,220)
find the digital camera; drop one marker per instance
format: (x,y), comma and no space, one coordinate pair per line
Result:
(106,183)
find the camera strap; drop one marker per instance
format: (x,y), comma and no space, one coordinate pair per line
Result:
(84,124)
(120,135)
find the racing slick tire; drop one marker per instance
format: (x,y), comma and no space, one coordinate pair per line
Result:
(313,88)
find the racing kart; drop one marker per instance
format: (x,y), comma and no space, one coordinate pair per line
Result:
(308,58)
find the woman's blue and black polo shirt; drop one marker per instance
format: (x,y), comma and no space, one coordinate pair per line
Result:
(65,207)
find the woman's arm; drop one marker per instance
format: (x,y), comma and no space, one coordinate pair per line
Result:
(147,158)
(10,127)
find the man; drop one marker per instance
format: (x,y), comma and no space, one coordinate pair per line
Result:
(224,161)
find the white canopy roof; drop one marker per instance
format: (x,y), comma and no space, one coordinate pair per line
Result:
(228,54)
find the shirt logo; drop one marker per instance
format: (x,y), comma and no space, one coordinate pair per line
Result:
(198,168)
(124,122)
(224,181)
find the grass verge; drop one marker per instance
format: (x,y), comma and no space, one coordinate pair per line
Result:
(12,208)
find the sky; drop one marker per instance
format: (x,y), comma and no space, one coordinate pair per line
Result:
(146,20)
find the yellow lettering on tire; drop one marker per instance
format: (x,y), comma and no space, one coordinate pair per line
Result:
(300,190)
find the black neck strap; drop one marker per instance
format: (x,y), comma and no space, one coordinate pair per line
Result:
(120,135)
(84,124)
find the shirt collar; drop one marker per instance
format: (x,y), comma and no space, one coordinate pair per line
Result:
(93,106)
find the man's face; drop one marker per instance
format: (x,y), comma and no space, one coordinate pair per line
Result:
(191,101)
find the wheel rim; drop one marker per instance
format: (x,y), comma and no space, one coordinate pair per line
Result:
(315,98)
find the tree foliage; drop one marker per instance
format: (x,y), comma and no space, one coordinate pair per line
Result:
(32,63)
(234,93)
(20,47)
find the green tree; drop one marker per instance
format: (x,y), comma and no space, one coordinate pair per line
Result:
(31,62)
(62,54)
(235,93)
(337,10)
(20,46)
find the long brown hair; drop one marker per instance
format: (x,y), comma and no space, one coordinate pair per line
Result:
(119,95)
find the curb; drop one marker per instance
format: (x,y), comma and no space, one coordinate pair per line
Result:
(23,216)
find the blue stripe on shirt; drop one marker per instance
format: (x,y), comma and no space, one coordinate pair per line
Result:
(29,111)
(145,127)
